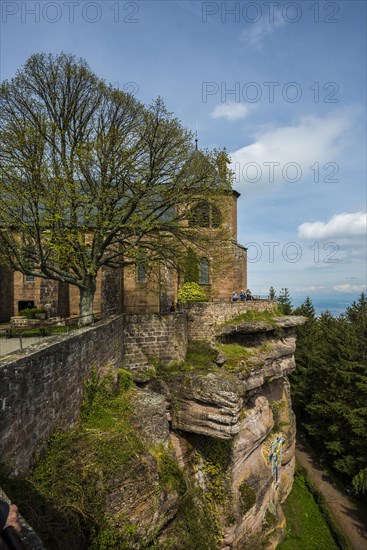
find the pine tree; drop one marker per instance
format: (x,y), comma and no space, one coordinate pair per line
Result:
(305,359)
(306,309)
(284,299)
(329,386)
(272,293)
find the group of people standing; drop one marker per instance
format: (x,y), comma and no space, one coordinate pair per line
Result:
(243,296)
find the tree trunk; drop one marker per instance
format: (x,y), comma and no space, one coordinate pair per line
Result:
(86,304)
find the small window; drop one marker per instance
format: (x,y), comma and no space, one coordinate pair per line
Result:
(141,273)
(203,271)
(29,278)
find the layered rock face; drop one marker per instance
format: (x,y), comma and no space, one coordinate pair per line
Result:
(230,425)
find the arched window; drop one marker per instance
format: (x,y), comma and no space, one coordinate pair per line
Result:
(205,215)
(203,271)
(200,215)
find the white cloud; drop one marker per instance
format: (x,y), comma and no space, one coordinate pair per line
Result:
(347,287)
(258,31)
(311,288)
(340,225)
(231,111)
(313,139)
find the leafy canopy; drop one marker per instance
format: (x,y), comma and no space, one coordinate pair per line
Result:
(90,177)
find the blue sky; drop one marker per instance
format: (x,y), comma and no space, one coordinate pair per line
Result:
(281,85)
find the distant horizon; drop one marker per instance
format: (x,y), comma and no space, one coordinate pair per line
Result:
(336,303)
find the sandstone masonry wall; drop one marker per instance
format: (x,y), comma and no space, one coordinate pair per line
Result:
(154,335)
(42,389)
(204,318)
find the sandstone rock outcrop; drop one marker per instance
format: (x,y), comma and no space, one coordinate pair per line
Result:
(232,431)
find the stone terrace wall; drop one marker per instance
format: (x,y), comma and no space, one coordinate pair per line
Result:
(154,335)
(42,389)
(203,318)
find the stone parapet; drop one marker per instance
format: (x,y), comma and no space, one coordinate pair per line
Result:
(204,318)
(42,387)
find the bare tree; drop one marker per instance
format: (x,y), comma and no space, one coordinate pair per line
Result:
(90,177)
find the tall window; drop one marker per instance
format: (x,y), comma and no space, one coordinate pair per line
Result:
(205,215)
(141,273)
(203,271)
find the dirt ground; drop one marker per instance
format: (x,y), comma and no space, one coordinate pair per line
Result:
(345,512)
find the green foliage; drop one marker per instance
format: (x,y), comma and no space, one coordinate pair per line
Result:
(171,477)
(307,526)
(200,357)
(280,409)
(235,354)
(248,497)
(64,497)
(270,519)
(329,386)
(86,161)
(285,302)
(191,267)
(359,482)
(32,313)
(306,309)
(191,292)
(194,526)
(250,315)
(212,457)
(272,293)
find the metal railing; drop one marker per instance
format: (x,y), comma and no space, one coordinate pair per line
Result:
(33,332)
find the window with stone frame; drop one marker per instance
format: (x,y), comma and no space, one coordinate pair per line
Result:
(204,275)
(141,272)
(205,215)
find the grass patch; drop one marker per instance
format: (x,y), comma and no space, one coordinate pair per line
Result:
(170,475)
(265,316)
(235,353)
(64,497)
(307,526)
(248,498)
(199,358)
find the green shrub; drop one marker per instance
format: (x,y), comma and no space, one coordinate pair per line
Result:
(248,497)
(191,292)
(31,313)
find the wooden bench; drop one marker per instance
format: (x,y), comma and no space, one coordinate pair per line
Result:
(19,329)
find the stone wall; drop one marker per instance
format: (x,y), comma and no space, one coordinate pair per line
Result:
(49,296)
(42,389)
(154,336)
(112,291)
(203,319)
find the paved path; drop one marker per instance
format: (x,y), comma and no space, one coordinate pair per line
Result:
(345,512)
(9,345)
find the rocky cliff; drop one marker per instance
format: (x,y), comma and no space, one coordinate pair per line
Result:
(225,415)
(197,454)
